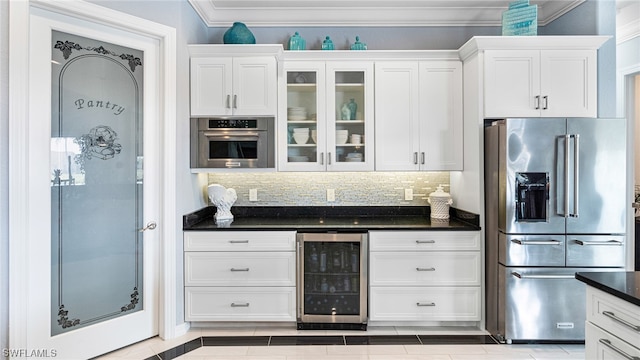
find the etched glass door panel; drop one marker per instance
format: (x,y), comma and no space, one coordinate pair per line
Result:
(96,182)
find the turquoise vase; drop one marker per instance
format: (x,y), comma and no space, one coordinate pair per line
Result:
(238,34)
(296,42)
(353,107)
(358,45)
(327,44)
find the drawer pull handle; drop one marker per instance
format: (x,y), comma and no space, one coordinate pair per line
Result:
(605,242)
(608,344)
(426,269)
(536,242)
(243,269)
(239,241)
(624,322)
(520,276)
(425,241)
(239,304)
(425,304)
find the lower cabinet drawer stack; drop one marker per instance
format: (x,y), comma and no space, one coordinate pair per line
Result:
(239,275)
(425,276)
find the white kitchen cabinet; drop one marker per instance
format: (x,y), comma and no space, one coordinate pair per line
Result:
(239,275)
(316,92)
(418,107)
(425,276)
(612,325)
(540,83)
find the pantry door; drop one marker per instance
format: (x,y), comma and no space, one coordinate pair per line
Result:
(94,186)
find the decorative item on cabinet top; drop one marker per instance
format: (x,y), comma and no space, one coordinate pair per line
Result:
(238,34)
(521,19)
(296,42)
(327,44)
(358,45)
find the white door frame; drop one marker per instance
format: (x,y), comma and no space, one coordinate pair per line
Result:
(19,155)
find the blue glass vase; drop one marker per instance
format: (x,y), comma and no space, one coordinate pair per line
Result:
(353,107)
(238,34)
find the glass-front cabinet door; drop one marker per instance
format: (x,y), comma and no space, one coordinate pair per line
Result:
(350,116)
(329,114)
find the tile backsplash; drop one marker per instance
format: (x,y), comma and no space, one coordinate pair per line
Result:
(351,188)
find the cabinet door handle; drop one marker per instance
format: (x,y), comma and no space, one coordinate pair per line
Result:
(242,269)
(235,101)
(425,304)
(328,158)
(537,102)
(426,269)
(322,158)
(228,103)
(545,102)
(624,322)
(425,241)
(239,304)
(415,158)
(239,241)
(422,157)
(608,344)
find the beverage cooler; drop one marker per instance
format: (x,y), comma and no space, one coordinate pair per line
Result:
(332,281)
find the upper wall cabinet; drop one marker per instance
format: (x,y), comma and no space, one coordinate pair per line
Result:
(328,107)
(418,107)
(531,76)
(540,83)
(228,80)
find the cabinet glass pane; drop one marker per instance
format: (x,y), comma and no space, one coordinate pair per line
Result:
(302,94)
(349,116)
(332,278)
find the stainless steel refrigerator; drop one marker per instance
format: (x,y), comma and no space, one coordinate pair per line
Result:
(555,205)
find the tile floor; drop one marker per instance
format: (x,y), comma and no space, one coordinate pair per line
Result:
(377,343)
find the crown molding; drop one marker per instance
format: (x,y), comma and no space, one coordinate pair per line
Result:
(351,13)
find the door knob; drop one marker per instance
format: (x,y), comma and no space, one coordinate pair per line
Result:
(150,226)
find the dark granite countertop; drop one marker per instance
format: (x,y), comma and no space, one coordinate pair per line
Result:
(623,285)
(327,218)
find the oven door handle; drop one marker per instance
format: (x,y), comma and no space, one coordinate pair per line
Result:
(234,135)
(545,276)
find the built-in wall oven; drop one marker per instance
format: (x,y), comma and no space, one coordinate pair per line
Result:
(247,142)
(332,281)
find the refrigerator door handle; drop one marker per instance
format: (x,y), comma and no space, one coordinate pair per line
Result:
(566,175)
(550,276)
(605,242)
(536,242)
(576,174)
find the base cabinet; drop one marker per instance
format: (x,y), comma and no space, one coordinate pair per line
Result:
(239,276)
(425,276)
(611,330)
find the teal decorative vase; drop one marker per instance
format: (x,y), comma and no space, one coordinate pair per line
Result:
(296,42)
(358,45)
(353,107)
(238,34)
(327,44)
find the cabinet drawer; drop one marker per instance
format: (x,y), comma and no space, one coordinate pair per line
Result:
(425,303)
(600,344)
(424,268)
(423,240)
(240,304)
(239,240)
(614,315)
(240,268)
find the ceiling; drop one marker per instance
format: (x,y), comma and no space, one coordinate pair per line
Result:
(345,13)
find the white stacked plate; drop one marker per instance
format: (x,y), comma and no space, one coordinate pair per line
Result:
(296,113)
(354,157)
(298,158)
